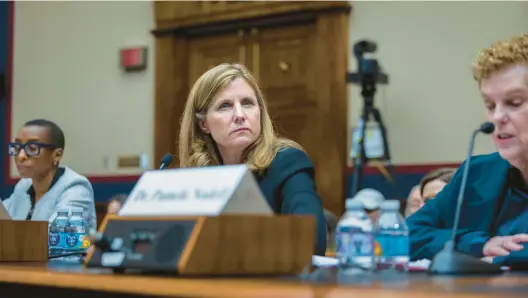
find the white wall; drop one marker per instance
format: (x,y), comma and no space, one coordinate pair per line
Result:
(432,102)
(66,68)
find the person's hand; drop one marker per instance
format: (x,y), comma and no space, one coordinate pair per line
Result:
(503,245)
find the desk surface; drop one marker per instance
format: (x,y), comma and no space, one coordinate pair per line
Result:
(325,283)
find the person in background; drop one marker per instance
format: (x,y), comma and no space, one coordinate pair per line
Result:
(115,203)
(430,185)
(226,121)
(414,201)
(372,200)
(494,215)
(45,186)
(434,182)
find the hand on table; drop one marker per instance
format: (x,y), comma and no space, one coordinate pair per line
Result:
(503,245)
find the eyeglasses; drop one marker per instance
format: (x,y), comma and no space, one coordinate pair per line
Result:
(31,148)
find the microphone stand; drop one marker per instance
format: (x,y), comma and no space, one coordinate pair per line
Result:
(449,261)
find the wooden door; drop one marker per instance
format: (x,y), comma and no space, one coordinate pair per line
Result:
(279,61)
(286,62)
(209,51)
(298,54)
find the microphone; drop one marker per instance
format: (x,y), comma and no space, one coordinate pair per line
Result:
(166,160)
(487,128)
(449,261)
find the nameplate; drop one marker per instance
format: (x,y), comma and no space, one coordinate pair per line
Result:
(207,191)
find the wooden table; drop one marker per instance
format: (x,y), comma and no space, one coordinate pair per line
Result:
(60,280)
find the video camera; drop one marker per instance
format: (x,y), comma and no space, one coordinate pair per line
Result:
(369,72)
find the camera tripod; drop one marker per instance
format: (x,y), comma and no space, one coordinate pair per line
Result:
(368,76)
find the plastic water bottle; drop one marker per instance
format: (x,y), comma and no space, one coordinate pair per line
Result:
(391,238)
(57,234)
(77,239)
(355,247)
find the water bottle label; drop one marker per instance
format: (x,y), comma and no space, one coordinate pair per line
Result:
(56,233)
(352,241)
(58,240)
(391,245)
(54,239)
(76,241)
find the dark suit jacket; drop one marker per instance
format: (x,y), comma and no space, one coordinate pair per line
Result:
(289,187)
(431,227)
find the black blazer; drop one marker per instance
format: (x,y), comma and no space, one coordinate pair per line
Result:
(288,186)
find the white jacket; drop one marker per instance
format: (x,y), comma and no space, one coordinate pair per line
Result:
(70,190)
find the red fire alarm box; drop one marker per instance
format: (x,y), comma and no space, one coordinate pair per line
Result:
(134,59)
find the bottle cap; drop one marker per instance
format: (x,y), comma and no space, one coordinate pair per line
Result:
(371,198)
(391,205)
(351,204)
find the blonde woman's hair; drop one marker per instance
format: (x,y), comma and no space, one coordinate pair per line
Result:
(198,149)
(500,55)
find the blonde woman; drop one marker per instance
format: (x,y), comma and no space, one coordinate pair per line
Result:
(226,121)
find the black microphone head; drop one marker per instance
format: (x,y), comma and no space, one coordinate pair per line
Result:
(364,46)
(487,127)
(167,159)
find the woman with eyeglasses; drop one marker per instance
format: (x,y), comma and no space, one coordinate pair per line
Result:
(45,186)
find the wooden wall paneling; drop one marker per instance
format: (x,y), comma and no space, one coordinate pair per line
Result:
(331,49)
(170,92)
(287,78)
(167,11)
(170,15)
(209,51)
(253,53)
